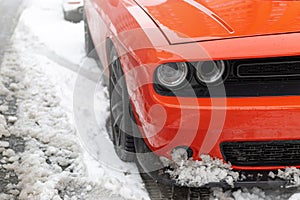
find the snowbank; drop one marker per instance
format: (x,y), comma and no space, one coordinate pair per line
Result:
(55,164)
(199,173)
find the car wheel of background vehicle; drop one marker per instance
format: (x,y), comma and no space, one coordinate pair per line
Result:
(121,127)
(88,42)
(65,15)
(80,11)
(72,17)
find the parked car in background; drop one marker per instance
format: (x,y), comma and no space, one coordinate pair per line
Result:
(73,10)
(201,77)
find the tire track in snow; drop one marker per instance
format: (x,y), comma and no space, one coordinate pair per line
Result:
(90,75)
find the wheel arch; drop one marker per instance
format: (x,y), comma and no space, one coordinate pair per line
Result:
(112,42)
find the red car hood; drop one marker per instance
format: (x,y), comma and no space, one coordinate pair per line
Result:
(197,20)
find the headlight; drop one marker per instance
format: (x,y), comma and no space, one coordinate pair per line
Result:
(210,72)
(172,75)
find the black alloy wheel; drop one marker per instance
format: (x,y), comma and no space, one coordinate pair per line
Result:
(121,127)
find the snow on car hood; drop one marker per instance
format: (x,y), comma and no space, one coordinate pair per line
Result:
(197,20)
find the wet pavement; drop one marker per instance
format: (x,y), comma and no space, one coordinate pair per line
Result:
(9,143)
(10,11)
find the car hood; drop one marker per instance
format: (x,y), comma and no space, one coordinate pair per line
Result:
(198,20)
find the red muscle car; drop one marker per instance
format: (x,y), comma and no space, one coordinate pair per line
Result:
(216,77)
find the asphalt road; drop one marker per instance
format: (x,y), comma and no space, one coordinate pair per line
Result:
(10,11)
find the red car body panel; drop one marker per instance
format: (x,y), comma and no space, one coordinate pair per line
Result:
(198,20)
(146,35)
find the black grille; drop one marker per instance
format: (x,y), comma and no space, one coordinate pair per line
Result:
(270,153)
(269,69)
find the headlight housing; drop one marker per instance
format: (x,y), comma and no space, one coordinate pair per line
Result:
(172,75)
(210,72)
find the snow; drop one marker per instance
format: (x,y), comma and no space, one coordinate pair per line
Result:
(69,7)
(12,119)
(292,174)
(199,173)
(4,144)
(256,194)
(44,18)
(295,197)
(56,163)
(244,194)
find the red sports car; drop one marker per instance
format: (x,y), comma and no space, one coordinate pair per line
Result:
(216,77)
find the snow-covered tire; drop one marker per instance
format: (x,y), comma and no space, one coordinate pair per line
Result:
(121,128)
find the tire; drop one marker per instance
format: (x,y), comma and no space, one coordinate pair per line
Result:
(88,42)
(65,15)
(80,10)
(146,160)
(121,127)
(72,17)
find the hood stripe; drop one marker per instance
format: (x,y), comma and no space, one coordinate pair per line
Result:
(211,14)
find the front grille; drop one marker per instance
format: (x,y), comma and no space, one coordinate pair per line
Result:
(270,153)
(278,76)
(269,69)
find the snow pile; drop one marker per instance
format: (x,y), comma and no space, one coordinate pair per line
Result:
(295,197)
(54,164)
(241,194)
(45,20)
(10,145)
(51,154)
(198,173)
(3,131)
(291,174)
(253,194)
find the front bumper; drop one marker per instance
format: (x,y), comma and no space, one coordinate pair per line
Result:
(203,124)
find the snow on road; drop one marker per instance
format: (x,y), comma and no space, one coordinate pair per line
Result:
(62,114)
(56,163)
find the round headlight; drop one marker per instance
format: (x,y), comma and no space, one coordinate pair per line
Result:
(210,72)
(172,75)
